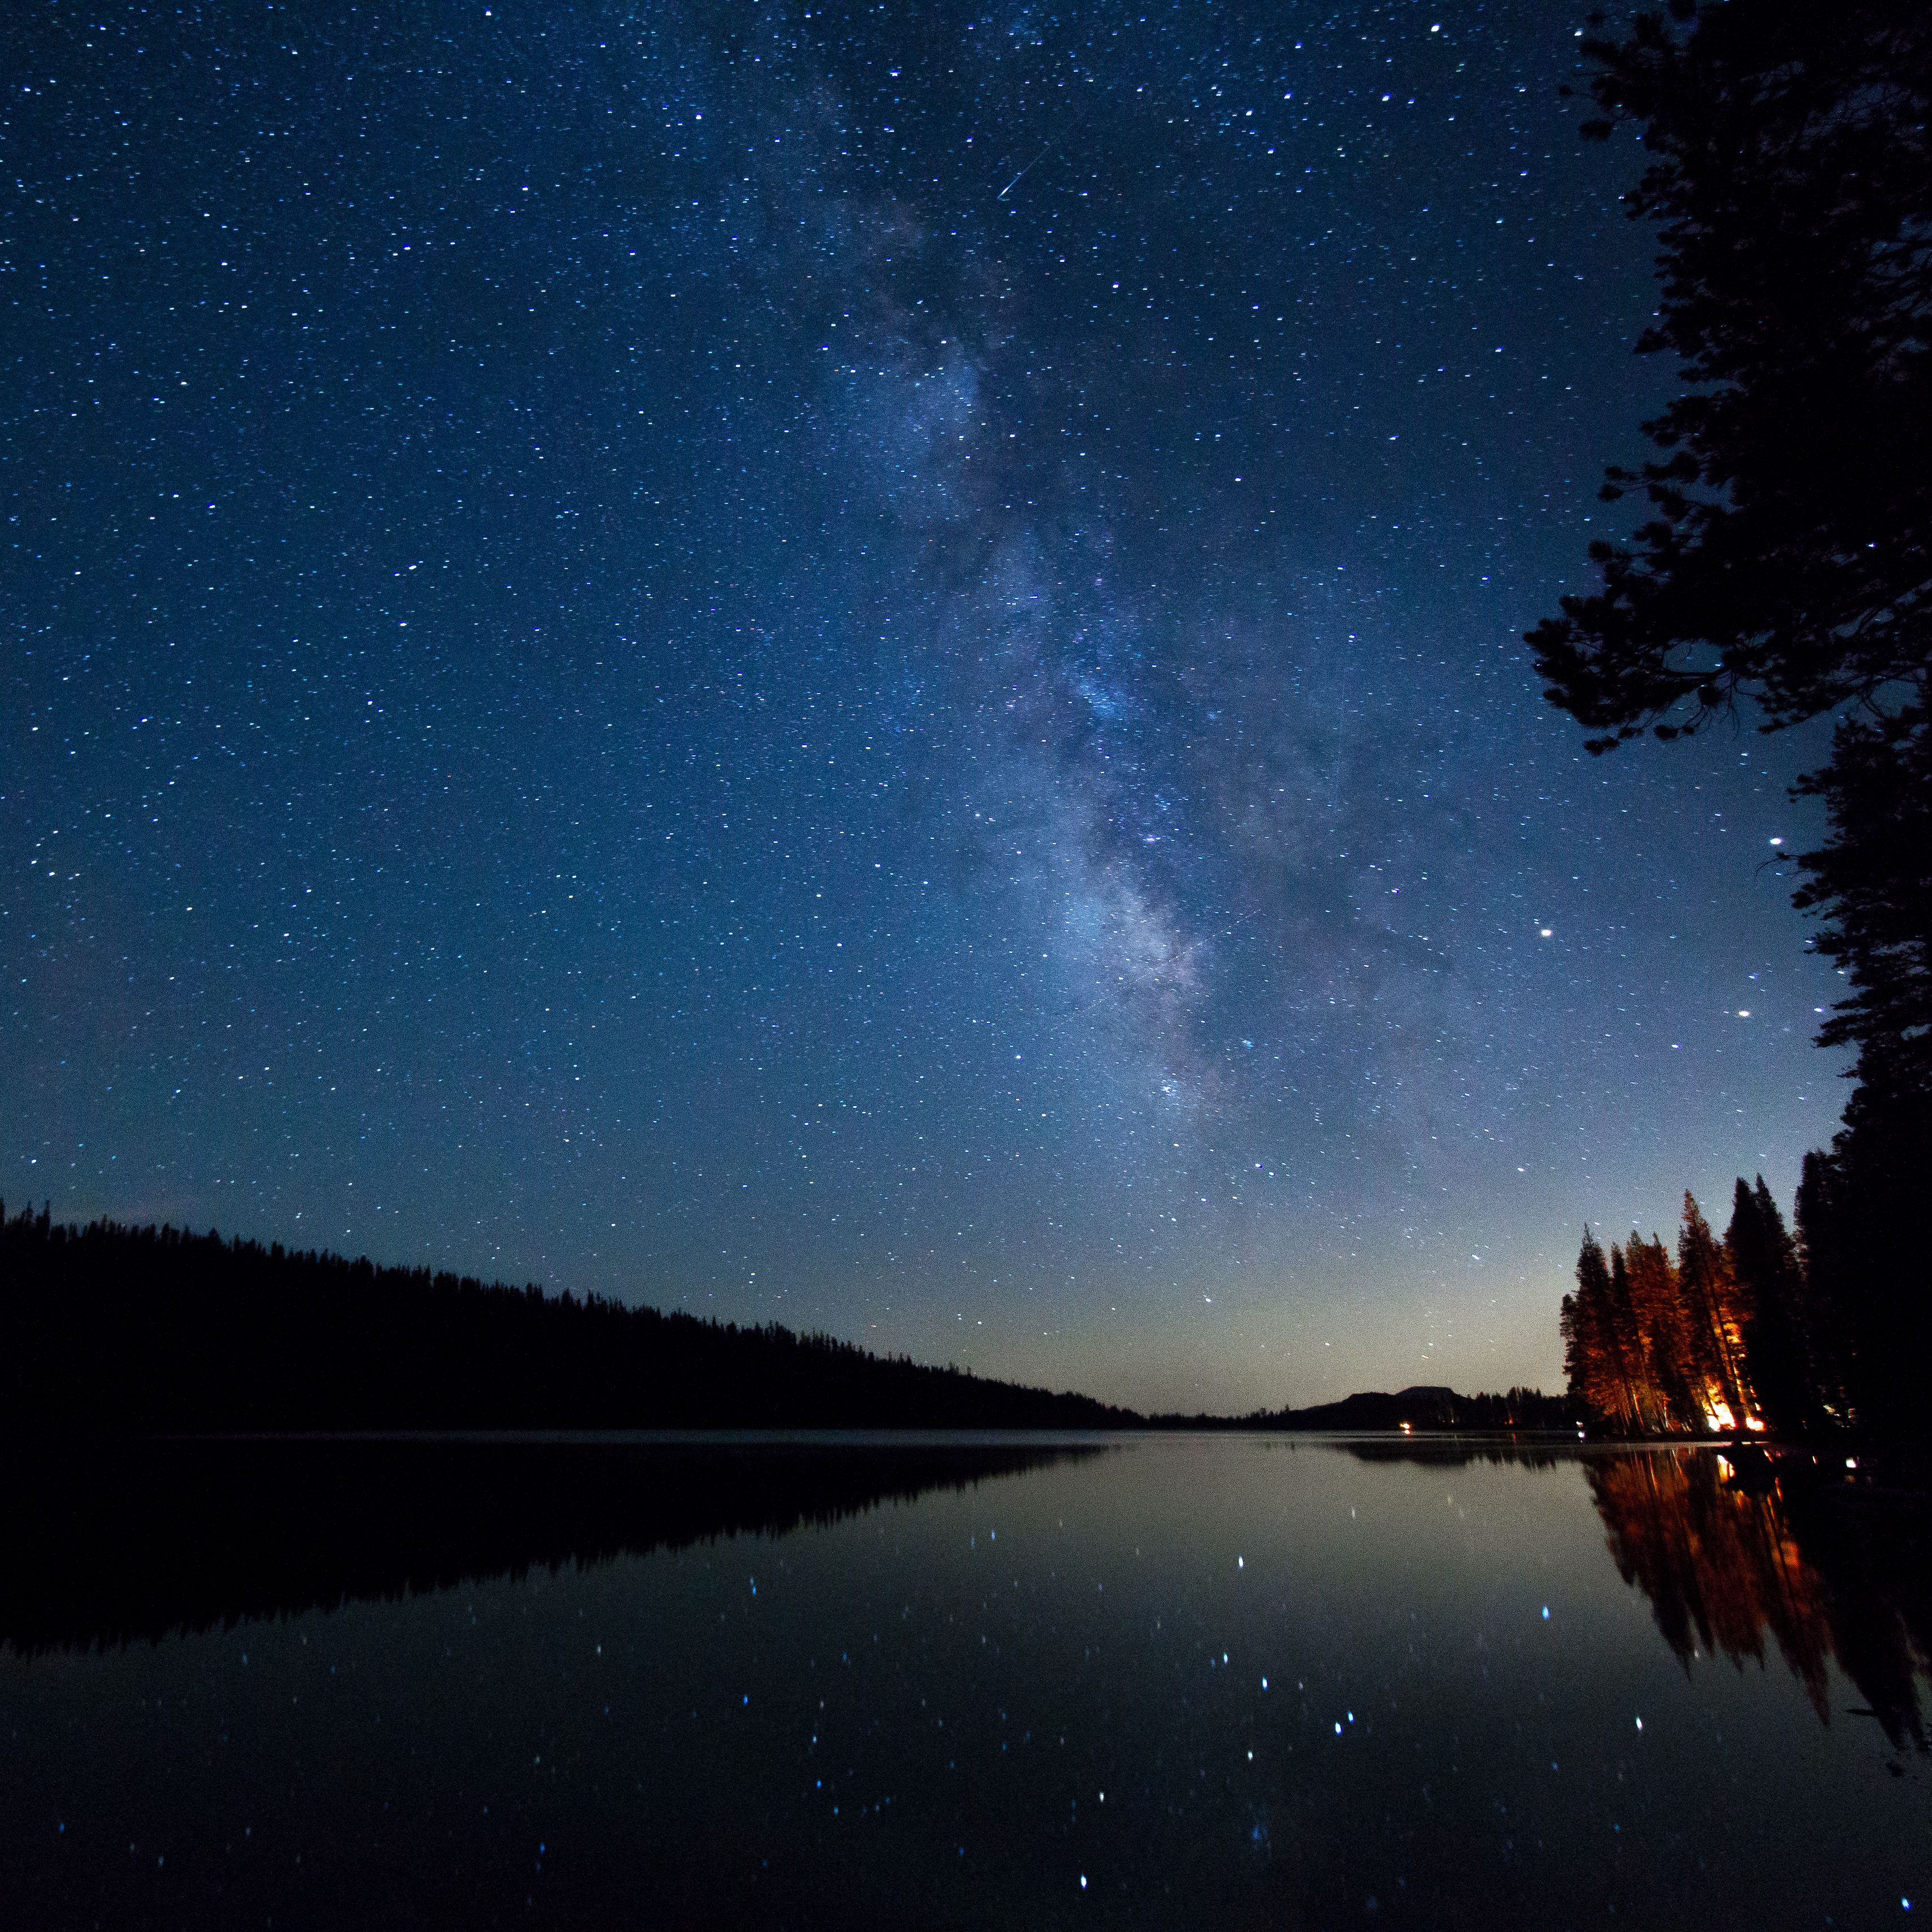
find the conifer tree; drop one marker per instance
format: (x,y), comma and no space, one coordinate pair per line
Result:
(1670,1336)
(1764,1259)
(1576,1374)
(1785,564)
(1594,1354)
(1648,1406)
(1626,1345)
(1827,1236)
(1711,1299)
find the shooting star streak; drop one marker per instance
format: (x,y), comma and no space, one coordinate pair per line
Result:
(1021,175)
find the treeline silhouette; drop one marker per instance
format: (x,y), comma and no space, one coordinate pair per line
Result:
(97,1548)
(156,1329)
(1729,1335)
(1427,1406)
(1729,1552)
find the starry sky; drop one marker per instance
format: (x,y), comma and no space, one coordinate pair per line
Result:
(861,666)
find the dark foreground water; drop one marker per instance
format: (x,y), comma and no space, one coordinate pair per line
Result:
(1224,1681)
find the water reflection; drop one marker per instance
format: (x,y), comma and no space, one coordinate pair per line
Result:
(1226,1681)
(1457,1452)
(1730,1549)
(102,1544)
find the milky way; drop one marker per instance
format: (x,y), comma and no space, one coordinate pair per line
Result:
(862,668)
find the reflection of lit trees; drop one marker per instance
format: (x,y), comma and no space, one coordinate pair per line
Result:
(1726,1555)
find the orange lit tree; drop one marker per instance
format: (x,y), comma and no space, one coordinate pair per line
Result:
(1716,1339)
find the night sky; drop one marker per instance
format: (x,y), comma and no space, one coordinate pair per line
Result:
(861,667)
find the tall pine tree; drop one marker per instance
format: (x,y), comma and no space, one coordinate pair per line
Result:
(1595,1356)
(1764,1259)
(1711,1299)
(1669,1335)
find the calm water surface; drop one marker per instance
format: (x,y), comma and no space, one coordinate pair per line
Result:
(1230,1680)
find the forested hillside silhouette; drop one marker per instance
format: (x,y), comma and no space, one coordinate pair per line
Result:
(156,1329)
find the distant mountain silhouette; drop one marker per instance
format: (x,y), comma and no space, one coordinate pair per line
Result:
(155,1331)
(1426,1406)
(99,1547)
(1431,1406)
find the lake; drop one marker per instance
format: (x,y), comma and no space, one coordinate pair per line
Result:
(1170,1680)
